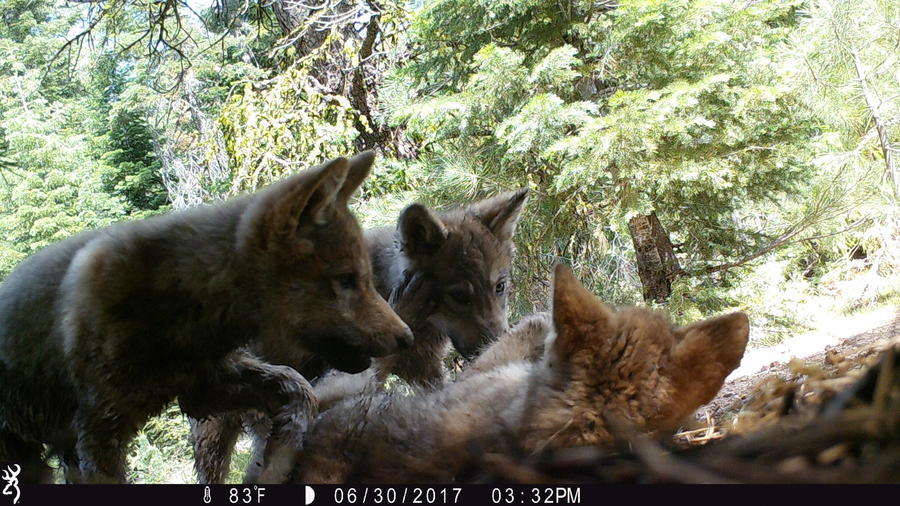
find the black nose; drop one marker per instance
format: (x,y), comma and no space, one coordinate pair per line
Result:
(405,340)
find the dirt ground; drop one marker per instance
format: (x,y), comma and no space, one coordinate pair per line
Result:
(837,340)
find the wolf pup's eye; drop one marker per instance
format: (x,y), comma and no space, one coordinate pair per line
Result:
(459,295)
(500,288)
(346,281)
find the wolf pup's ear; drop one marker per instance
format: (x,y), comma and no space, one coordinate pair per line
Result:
(320,206)
(580,320)
(706,352)
(501,213)
(421,230)
(305,198)
(359,167)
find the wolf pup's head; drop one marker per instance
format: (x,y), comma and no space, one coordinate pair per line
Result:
(629,365)
(312,268)
(466,257)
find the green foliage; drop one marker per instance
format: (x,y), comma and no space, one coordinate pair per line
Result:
(52,188)
(750,128)
(134,172)
(846,60)
(161,452)
(834,35)
(29,38)
(680,107)
(279,126)
(447,34)
(52,195)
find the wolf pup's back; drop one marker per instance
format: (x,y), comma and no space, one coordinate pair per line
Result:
(32,365)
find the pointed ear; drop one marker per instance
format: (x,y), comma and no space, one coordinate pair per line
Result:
(320,206)
(359,167)
(706,352)
(501,213)
(277,212)
(579,318)
(421,230)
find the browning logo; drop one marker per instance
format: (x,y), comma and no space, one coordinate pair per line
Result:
(10,476)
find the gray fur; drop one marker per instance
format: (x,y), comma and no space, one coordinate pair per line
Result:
(415,265)
(102,330)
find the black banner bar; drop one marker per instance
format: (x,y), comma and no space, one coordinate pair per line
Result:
(378,495)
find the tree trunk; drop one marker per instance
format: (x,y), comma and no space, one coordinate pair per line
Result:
(371,135)
(306,35)
(657,264)
(292,16)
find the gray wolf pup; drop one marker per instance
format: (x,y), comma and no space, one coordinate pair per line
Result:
(102,330)
(446,274)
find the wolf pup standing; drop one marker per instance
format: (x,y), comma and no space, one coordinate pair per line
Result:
(101,331)
(446,274)
(627,365)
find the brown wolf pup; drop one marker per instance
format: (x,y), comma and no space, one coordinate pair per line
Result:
(629,365)
(101,331)
(446,274)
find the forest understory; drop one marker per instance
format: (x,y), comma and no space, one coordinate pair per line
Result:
(697,157)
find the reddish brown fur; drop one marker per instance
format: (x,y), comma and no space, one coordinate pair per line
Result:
(629,365)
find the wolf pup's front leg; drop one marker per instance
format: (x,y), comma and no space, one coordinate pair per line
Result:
(213,439)
(412,299)
(259,427)
(281,393)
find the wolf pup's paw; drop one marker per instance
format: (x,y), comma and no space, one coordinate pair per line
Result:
(412,299)
(532,333)
(283,447)
(525,342)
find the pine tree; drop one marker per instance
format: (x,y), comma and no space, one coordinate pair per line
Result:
(614,113)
